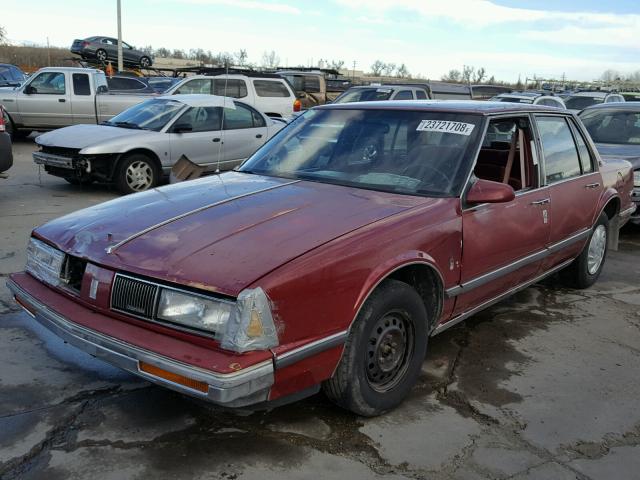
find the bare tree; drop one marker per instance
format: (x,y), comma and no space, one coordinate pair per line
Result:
(270,59)
(3,36)
(467,73)
(610,75)
(452,76)
(178,54)
(241,57)
(163,52)
(335,64)
(481,74)
(402,71)
(389,69)
(377,68)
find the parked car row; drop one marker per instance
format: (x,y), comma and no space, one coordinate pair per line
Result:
(332,255)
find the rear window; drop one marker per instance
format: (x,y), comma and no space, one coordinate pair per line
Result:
(365,95)
(619,127)
(271,88)
(579,103)
(125,84)
(81,84)
(234,88)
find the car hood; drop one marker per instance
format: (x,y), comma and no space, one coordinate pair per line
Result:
(630,153)
(219,233)
(83,136)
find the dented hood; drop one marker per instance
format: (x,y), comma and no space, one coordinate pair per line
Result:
(219,233)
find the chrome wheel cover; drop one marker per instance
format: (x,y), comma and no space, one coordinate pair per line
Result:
(139,176)
(597,247)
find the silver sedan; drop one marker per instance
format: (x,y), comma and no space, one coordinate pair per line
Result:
(136,148)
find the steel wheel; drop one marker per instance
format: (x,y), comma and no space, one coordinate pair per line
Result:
(101,55)
(389,351)
(597,247)
(139,176)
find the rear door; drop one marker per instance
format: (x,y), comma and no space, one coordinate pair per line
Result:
(403,95)
(502,242)
(574,185)
(245,130)
(49,105)
(82,104)
(201,145)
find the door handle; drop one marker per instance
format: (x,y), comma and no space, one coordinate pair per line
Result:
(541,202)
(259,135)
(592,185)
(61,100)
(215,140)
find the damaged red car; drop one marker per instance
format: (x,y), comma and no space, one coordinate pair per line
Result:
(329,258)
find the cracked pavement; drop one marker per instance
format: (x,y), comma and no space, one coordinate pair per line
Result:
(541,386)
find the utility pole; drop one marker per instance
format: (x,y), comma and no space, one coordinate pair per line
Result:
(120,62)
(48,53)
(353,75)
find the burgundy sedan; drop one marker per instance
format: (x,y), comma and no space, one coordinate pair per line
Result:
(331,255)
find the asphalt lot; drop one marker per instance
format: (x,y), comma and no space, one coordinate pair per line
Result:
(542,386)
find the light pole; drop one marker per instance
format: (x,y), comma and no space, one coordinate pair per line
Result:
(120,63)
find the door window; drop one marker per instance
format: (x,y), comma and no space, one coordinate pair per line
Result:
(506,155)
(233,88)
(201,119)
(271,88)
(421,95)
(404,95)
(198,85)
(81,84)
(238,118)
(586,161)
(312,84)
(560,154)
(49,83)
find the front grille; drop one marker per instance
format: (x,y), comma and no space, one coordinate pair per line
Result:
(134,296)
(61,151)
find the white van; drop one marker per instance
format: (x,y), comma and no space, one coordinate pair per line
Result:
(270,94)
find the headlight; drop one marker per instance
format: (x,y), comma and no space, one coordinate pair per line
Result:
(194,311)
(244,325)
(636,178)
(44,262)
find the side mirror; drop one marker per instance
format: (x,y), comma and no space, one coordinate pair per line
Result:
(102,89)
(29,90)
(486,191)
(182,128)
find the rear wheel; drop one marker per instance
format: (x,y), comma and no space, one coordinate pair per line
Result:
(383,355)
(101,55)
(145,62)
(136,173)
(585,270)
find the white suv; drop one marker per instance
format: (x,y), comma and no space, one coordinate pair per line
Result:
(270,94)
(531,98)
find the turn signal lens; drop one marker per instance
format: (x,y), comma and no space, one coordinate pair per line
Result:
(297,105)
(173,377)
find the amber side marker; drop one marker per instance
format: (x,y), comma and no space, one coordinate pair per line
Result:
(173,377)
(28,308)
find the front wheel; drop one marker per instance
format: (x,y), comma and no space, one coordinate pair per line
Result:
(145,62)
(136,173)
(101,55)
(585,270)
(383,355)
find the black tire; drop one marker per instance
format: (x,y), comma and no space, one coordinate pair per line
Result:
(101,55)
(374,375)
(145,62)
(583,272)
(126,179)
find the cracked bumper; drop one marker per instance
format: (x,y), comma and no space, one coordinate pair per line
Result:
(245,387)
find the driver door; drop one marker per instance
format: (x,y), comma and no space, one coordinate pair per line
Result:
(197,135)
(49,104)
(500,240)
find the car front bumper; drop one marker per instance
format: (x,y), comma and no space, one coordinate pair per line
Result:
(248,386)
(51,160)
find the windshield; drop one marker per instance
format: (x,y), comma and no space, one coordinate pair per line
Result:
(296,81)
(149,115)
(613,126)
(410,152)
(365,95)
(579,103)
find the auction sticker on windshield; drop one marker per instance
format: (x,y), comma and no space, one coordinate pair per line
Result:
(445,126)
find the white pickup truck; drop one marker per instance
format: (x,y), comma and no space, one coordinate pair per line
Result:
(55,97)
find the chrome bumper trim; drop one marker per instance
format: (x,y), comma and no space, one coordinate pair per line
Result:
(245,387)
(53,160)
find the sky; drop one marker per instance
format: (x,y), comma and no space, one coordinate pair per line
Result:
(510,39)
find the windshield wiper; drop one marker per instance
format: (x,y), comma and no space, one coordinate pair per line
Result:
(134,126)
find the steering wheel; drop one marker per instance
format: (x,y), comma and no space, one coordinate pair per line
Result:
(424,172)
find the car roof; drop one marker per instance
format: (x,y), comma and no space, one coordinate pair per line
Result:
(596,94)
(462,106)
(200,100)
(634,106)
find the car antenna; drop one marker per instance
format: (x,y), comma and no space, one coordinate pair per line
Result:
(224,102)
